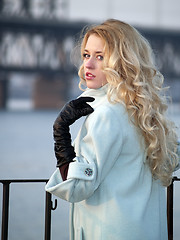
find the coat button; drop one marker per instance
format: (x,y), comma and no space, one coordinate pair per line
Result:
(88,172)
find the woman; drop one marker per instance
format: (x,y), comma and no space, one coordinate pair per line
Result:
(125,151)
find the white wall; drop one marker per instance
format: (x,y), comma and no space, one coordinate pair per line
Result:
(151,13)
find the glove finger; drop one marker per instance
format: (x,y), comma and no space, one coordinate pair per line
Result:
(82,100)
(86,110)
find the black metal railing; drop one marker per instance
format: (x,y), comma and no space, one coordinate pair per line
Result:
(5,207)
(170,201)
(49,207)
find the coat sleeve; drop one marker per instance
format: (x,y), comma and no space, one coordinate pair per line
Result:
(98,151)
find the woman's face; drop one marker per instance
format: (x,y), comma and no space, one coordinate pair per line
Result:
(93,61)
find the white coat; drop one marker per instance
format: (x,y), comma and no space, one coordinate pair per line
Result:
(109,184)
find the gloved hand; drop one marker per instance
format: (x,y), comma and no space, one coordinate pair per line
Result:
(72,111)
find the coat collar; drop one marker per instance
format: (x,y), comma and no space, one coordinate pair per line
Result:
(99,92)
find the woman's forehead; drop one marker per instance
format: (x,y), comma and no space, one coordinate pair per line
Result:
(95,43)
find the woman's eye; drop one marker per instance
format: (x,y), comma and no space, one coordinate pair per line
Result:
(85,55)
(99,57)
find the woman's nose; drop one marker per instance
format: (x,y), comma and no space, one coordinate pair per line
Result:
(90,63)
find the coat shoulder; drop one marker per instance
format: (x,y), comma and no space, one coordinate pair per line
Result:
(110,110)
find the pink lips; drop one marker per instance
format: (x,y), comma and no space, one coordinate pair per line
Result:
(89,76)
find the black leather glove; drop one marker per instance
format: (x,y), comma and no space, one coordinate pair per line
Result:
(72,111)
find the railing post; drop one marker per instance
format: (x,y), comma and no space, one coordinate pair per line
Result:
(48,217)
(170,210)
(5,211)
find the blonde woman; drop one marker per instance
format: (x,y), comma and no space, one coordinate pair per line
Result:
(126,150)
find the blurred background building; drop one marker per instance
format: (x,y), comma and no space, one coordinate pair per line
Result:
(37,37)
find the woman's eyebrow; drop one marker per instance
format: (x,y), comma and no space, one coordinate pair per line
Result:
(85,50)
(99,52)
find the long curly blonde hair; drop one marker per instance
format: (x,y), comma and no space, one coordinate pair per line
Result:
(134,80)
